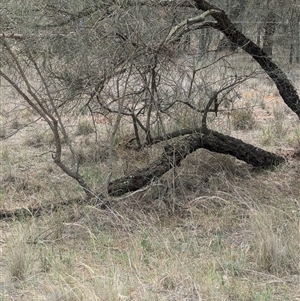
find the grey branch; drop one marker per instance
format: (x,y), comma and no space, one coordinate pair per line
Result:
(185,26)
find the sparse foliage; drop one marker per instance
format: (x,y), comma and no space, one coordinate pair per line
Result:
(144,104)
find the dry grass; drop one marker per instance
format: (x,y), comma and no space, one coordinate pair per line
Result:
(225,247)
(227,234)
(243,120)
(211,229)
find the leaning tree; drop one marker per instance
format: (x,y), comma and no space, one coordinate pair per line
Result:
(130,63)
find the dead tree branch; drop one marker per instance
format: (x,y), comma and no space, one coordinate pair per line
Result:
(174,153)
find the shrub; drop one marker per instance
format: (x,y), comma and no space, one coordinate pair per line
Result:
(16,125)
(85,128)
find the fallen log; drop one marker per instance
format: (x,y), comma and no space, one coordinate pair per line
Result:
(174,153)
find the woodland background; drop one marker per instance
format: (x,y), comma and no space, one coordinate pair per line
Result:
(150,150)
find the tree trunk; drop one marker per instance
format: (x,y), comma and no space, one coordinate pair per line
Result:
(258,38)
(284,86)
(270,27)
(294,29)
(174,153)
(291,56)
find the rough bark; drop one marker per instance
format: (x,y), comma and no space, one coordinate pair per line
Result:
(224,24)
(174,153)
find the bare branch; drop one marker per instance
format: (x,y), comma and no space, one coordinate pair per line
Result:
(185,26)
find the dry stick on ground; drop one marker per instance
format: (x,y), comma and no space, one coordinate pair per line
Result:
(35,210)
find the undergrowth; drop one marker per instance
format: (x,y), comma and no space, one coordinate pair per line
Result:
(213,228)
